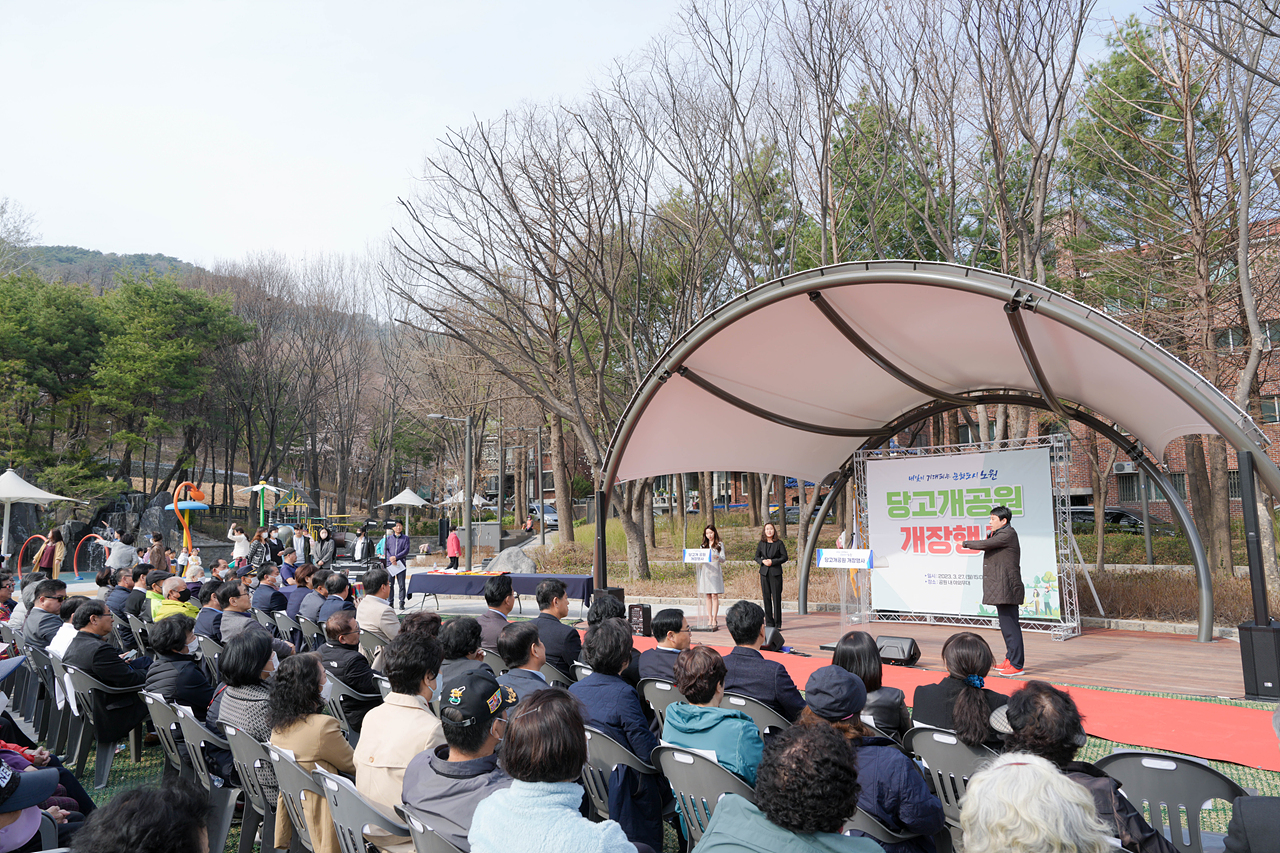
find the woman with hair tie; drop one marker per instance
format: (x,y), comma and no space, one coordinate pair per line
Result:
(960,702)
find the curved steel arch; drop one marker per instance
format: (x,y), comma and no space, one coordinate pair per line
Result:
(1016,294)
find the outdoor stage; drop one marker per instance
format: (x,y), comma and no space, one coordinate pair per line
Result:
(1126,660)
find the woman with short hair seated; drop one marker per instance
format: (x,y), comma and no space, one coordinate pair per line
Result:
(294,712)
(246,664)
(892,789)
(1020,803)
(543,750)
(700,723)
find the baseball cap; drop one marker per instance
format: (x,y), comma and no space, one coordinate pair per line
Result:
(834,693)
(999,721)
(477,695)
(157,576)
(22,790)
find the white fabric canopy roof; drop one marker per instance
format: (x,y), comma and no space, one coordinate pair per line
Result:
(14,489)
(406,498)
(458,498)
(945,326)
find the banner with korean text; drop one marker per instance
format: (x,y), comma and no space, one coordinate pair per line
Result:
(921,508)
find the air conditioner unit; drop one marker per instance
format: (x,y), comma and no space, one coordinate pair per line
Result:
(1125,468)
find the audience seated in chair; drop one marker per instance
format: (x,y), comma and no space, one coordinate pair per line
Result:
(612,705)
(700,722)
(605,606)
(887,706)
(118,597)
(806,787)
(501,599)
(374,613)
(115,714)
(177,600)
(1020,803)
(26,600)
(145,819)
(246,664)
(343,660)
(176,675)
(237,620)
(20,814)
(524,654)
(563,643)
(543,750)
(892,789)
(423,622)
(304,581)
(46,617)
(446,783)
(672,630)
(460,639)
(403,725)
(294,712)
(209,619)
(960,702)
(311,603)
(1255,821)
(154,593)
(268,598)
(338,597)
(748,672)
(66,631)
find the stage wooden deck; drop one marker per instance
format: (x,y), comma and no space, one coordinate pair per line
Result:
(1160,663)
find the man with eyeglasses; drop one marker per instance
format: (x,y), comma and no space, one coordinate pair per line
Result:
(45,618)
(342,660)
(672,630)
(6,596)
(237,620)
(114,714)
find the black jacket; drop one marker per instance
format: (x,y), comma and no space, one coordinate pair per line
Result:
(888,707)
(137,604)
(209,623)
(563,643)
(1255,825)
(775,551)
(268,599)
(181,680)
(346,664)
(116,600)
(932,704)
(659,662)
(749,673)
(310,606)
(332,605)
(114,714)
(1134,832)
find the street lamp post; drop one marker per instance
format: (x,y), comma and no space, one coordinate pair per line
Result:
(469,485)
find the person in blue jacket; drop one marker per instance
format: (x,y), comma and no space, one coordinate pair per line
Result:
(700,723)
(894,791)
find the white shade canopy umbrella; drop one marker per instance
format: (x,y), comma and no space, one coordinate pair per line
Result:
(14,489)
(406,499)
(458,498)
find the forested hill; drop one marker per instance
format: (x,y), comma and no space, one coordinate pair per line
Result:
(86,266)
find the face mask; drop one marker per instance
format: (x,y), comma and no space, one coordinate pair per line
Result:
(193,647)
(326,691)
(185,595)
(270,669)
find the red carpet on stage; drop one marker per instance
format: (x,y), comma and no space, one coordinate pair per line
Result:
(1204,729)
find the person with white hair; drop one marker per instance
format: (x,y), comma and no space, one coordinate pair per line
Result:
(176,599)
(1255,821)
(1020,803)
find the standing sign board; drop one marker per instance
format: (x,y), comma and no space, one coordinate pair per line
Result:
(920,509)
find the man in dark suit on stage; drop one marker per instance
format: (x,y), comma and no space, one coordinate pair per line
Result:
(672,630)
(563,644)
(749,673)
(500,598)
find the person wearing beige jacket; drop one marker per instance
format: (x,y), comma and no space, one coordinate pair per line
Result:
(293,713)
(374,613)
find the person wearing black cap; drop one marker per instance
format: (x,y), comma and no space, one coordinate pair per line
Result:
(1044,721)
(892,789)
(448,782)
(20,798)
(155,593)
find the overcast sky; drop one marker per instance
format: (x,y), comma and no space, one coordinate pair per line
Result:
(212,130)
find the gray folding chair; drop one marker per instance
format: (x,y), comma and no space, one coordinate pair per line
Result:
(288,627)
(222,798)
(765,717)
(265,619)
(370,643)
(603,755)
(34,708)
(352,814)
(57,720)
(334,704)
(139,630)
(495,661)
(312,633)
(1180,783)
(70,729)
(210,653)
(698,783)
(253,764)
(84,686)
(581,670)
(165,719)
(425,838)
(949,762)
(21,678)
(384,684)
(660,693)
(863,822)
(297,786)
(555,677)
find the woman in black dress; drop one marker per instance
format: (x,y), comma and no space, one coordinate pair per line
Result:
(771,553)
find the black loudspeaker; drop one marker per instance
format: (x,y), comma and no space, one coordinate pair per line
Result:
(773,641)
(616,591)
(898,651)
(641,618)
(1260,656)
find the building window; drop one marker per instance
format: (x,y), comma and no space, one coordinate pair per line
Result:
(1131,492)
(1233,485)
(1179,481)
(1270,407)
(1229,340)
(968,436)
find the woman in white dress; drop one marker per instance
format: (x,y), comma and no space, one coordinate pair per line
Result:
(711,574)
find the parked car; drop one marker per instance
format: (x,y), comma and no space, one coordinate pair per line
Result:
(1119,520)
(545,513)
(793,515)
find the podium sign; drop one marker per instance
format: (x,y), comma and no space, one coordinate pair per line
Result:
(845,558)
(697,555)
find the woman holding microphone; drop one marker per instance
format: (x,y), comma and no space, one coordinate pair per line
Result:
(771,553)
(711,574)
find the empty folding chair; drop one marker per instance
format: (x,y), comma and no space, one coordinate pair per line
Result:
(85,687)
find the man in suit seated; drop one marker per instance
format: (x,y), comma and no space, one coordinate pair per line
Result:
(338,598)
(1255,821)
(312,601)
(672,630)
(114,714)
(268,598)
(46,615)
(342,660)
(524,655)
(749,673)
(605,606)
(236,619)
(500,597)
(563,643)
(374,613)
(209,619)
(116,600)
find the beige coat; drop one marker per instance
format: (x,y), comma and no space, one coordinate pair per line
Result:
(59,555)
(376,616)
(315,741)
(392,734)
